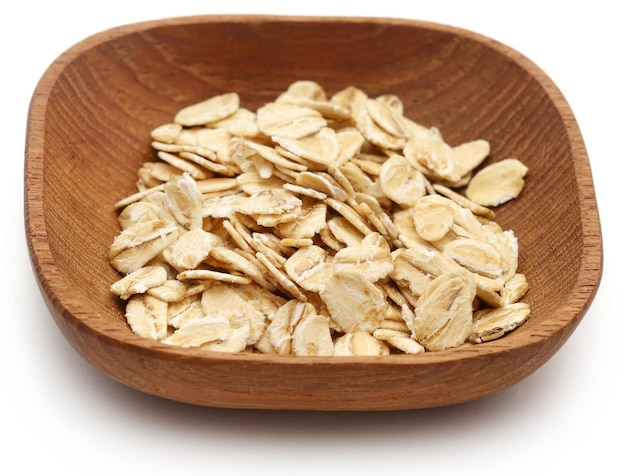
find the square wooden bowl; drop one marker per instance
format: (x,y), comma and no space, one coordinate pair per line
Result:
(89,131)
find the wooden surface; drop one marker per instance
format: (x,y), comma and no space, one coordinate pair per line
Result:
(88,132)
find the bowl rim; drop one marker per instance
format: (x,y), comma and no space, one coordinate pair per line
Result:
(57,296)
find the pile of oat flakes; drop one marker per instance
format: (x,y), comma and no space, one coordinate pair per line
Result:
(317,225)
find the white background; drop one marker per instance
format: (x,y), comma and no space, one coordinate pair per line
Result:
(59,414)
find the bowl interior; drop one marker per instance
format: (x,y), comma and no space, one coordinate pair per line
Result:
(104,96)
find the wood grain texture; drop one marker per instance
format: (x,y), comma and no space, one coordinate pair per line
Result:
(88,132)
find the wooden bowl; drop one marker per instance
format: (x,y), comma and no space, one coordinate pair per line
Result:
(88,133)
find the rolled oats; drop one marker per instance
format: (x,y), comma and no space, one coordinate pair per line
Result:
(401,182)
(170,291)
(433,216)
(317,225)
(444,314)
(359,343)
(400,340)
(312,336)
(289,120)
(210,110)
(139,281)
(196,332)
(147,316)
(354,303)
(497,183)
(493,323)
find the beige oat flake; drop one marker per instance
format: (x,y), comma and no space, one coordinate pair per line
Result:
(443,314)
(497,183)
(354,303)
(492,324)
(210,110)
